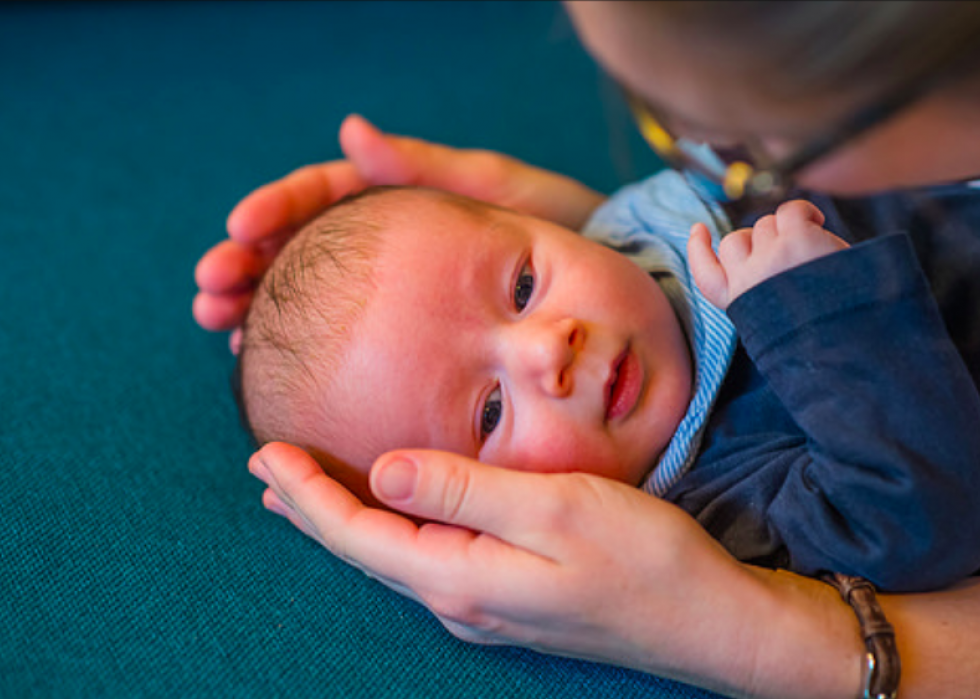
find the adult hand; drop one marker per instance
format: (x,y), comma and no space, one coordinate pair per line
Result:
(267,218)
(572,564)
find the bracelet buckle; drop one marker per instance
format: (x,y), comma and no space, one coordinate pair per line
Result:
(882,667)
(866,680)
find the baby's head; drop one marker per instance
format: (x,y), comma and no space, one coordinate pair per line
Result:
(415,318)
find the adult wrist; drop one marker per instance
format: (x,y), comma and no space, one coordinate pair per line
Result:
(776,634)
(881,666)
(811,643)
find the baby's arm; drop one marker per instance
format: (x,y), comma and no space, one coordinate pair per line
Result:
(747,257)
(882,484)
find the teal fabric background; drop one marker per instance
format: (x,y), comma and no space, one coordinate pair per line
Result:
(136,559)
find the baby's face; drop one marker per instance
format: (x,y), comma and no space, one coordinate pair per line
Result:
(511,340)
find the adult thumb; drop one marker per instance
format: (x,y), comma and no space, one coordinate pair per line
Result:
(453,489)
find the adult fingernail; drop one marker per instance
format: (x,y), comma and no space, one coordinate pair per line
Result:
(277,508)
(258,468)
(397,479)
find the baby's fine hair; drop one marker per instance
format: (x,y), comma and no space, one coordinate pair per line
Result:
(302,315)
(295,338)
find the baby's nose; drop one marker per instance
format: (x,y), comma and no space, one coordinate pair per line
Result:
(547,354)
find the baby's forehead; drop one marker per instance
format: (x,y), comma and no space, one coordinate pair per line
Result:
(424,201)
(440,217)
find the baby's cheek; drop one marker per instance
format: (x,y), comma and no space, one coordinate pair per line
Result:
(561,452)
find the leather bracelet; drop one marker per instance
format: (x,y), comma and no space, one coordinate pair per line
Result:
(882,668)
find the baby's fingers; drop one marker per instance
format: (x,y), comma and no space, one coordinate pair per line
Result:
(797,212)
(708,272)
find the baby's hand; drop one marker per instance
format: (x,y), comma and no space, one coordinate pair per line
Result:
(747,257)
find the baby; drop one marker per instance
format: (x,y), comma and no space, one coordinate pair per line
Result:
(414,318)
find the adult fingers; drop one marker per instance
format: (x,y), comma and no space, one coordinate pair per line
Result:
(462,576)
(229,267)
(273,503)
(481,174)
(300,485)
(220,311)
(389,159)
(235,341)
(281,207)
(385,544)
(531,511)
(381,158)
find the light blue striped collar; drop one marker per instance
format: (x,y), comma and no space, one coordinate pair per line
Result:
(649,222)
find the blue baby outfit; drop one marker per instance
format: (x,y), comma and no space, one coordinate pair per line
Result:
(649,222)
(839,430)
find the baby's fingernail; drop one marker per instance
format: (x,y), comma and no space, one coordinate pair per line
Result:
(396,480)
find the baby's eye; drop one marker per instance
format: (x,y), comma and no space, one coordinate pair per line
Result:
(493,409)
(524,287)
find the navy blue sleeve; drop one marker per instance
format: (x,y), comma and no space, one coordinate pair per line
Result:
(886,483)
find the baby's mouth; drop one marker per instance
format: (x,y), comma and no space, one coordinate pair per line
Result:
(623,386)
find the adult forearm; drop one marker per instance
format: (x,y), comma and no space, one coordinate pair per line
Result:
(811,646)
(775,635)
(938,638)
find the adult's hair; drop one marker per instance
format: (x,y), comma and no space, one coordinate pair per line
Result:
(824,46)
